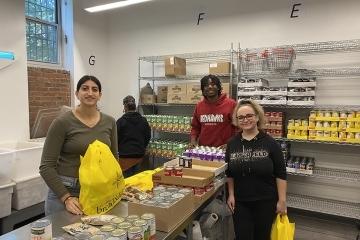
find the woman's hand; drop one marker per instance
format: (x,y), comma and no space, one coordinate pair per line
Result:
(231,203)
(72,205)
(281,207)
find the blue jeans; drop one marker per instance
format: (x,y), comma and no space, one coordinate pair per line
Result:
(53,203)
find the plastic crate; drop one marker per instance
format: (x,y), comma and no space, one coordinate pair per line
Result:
(6,158)
(28,191)
(26,158)
(5,199)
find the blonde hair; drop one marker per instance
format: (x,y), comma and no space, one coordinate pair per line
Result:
(257,109)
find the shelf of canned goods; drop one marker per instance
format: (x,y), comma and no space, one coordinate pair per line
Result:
(322,205)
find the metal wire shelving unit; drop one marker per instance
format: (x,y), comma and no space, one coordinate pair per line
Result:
(332,174)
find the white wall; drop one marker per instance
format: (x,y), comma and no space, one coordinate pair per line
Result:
(14,107)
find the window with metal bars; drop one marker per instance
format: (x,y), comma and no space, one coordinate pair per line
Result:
(42,30)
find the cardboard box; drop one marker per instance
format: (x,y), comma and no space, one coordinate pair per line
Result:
(166,218)
(174,66)
(219,68)
(177,89)
(148,98)
(190,178)
(197,164)
(176,98)
(193,89)
(193,98)
(204,197)
(162,90)
(161,98)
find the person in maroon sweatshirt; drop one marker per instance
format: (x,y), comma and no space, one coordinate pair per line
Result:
(211,123)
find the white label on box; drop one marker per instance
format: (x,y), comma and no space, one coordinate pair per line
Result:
(213,65)
(172,61)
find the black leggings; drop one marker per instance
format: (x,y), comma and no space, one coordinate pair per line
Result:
(253,220)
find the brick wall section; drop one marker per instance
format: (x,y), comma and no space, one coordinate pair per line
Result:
(48,88)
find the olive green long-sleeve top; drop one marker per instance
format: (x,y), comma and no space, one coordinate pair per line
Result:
(67,139)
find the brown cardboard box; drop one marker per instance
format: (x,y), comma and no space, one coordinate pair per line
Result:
(166,218)
(190,178)
(193,89)
(193,98)
(197,164)
(176,98)
(177,89)
(218,68)
(148,98)
(204,197)
(161,98)
(175,66)
(162,90)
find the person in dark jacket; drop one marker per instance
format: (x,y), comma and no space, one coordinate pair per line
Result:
(256,175)
(134,134)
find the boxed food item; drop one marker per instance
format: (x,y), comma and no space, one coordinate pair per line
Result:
(176,98)
(193,98)
(26,158)
(190,178)
(28,191)
(5,199)
(177,89)
(216,167)
(6,158)
(219,68)
(175,66)
(161,98)
(193,89)
(166,218)
(148,98)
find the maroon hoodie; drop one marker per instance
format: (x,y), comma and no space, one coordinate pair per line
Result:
(212,121)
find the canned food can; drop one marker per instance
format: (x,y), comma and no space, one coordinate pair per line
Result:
(304,122)
(326,134)
(124,225)
(267,122)
(351,114)
(41,229)
(312,133)
(297,132)
(273,123)
(357,124)
(334,134)
(357,114)
(335,113)
(132,218)
(318,123)
(319,133)
(320,113)
(343,114)
(357,135)
(297,122)
(333,124)
(82,236)
(158,190)
(327,113)
(158,199)
(169,171)
(199,191)
(273,114)
(279,123)
(350,135)
(291,122)
(172,189)
(178,171)
(165,195)
(278,132)
(350,124)
(272,131)
(116,220)
(135,233)
(304,132)
(187,162)
(184,191)
(312,123)
(279,114)
(151,230)
(342,125)
(212,184)
(99,236)
(326,124)
(342,134)
(267,114)
(120,234)
(177,195)
(313,113)
(181,160)
(144,225)
(107,229)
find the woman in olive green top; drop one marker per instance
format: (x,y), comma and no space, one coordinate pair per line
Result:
(69,137)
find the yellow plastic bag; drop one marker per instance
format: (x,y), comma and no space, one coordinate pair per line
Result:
(101,180)
(142,180)
(282,229)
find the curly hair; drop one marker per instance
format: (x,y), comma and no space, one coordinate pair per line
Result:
(129,102)
(257,109)
(214,79)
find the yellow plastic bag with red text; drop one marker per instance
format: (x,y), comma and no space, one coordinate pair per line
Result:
(282,229)
(101,180)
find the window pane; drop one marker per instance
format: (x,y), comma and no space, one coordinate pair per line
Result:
(41,42)
(41,9)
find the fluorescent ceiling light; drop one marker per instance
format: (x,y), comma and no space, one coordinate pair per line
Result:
(101,6)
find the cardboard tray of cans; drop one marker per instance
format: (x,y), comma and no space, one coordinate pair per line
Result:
(216,167)
(190,178)
(166,217)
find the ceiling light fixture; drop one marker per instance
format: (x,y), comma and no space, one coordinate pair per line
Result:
(108,6)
